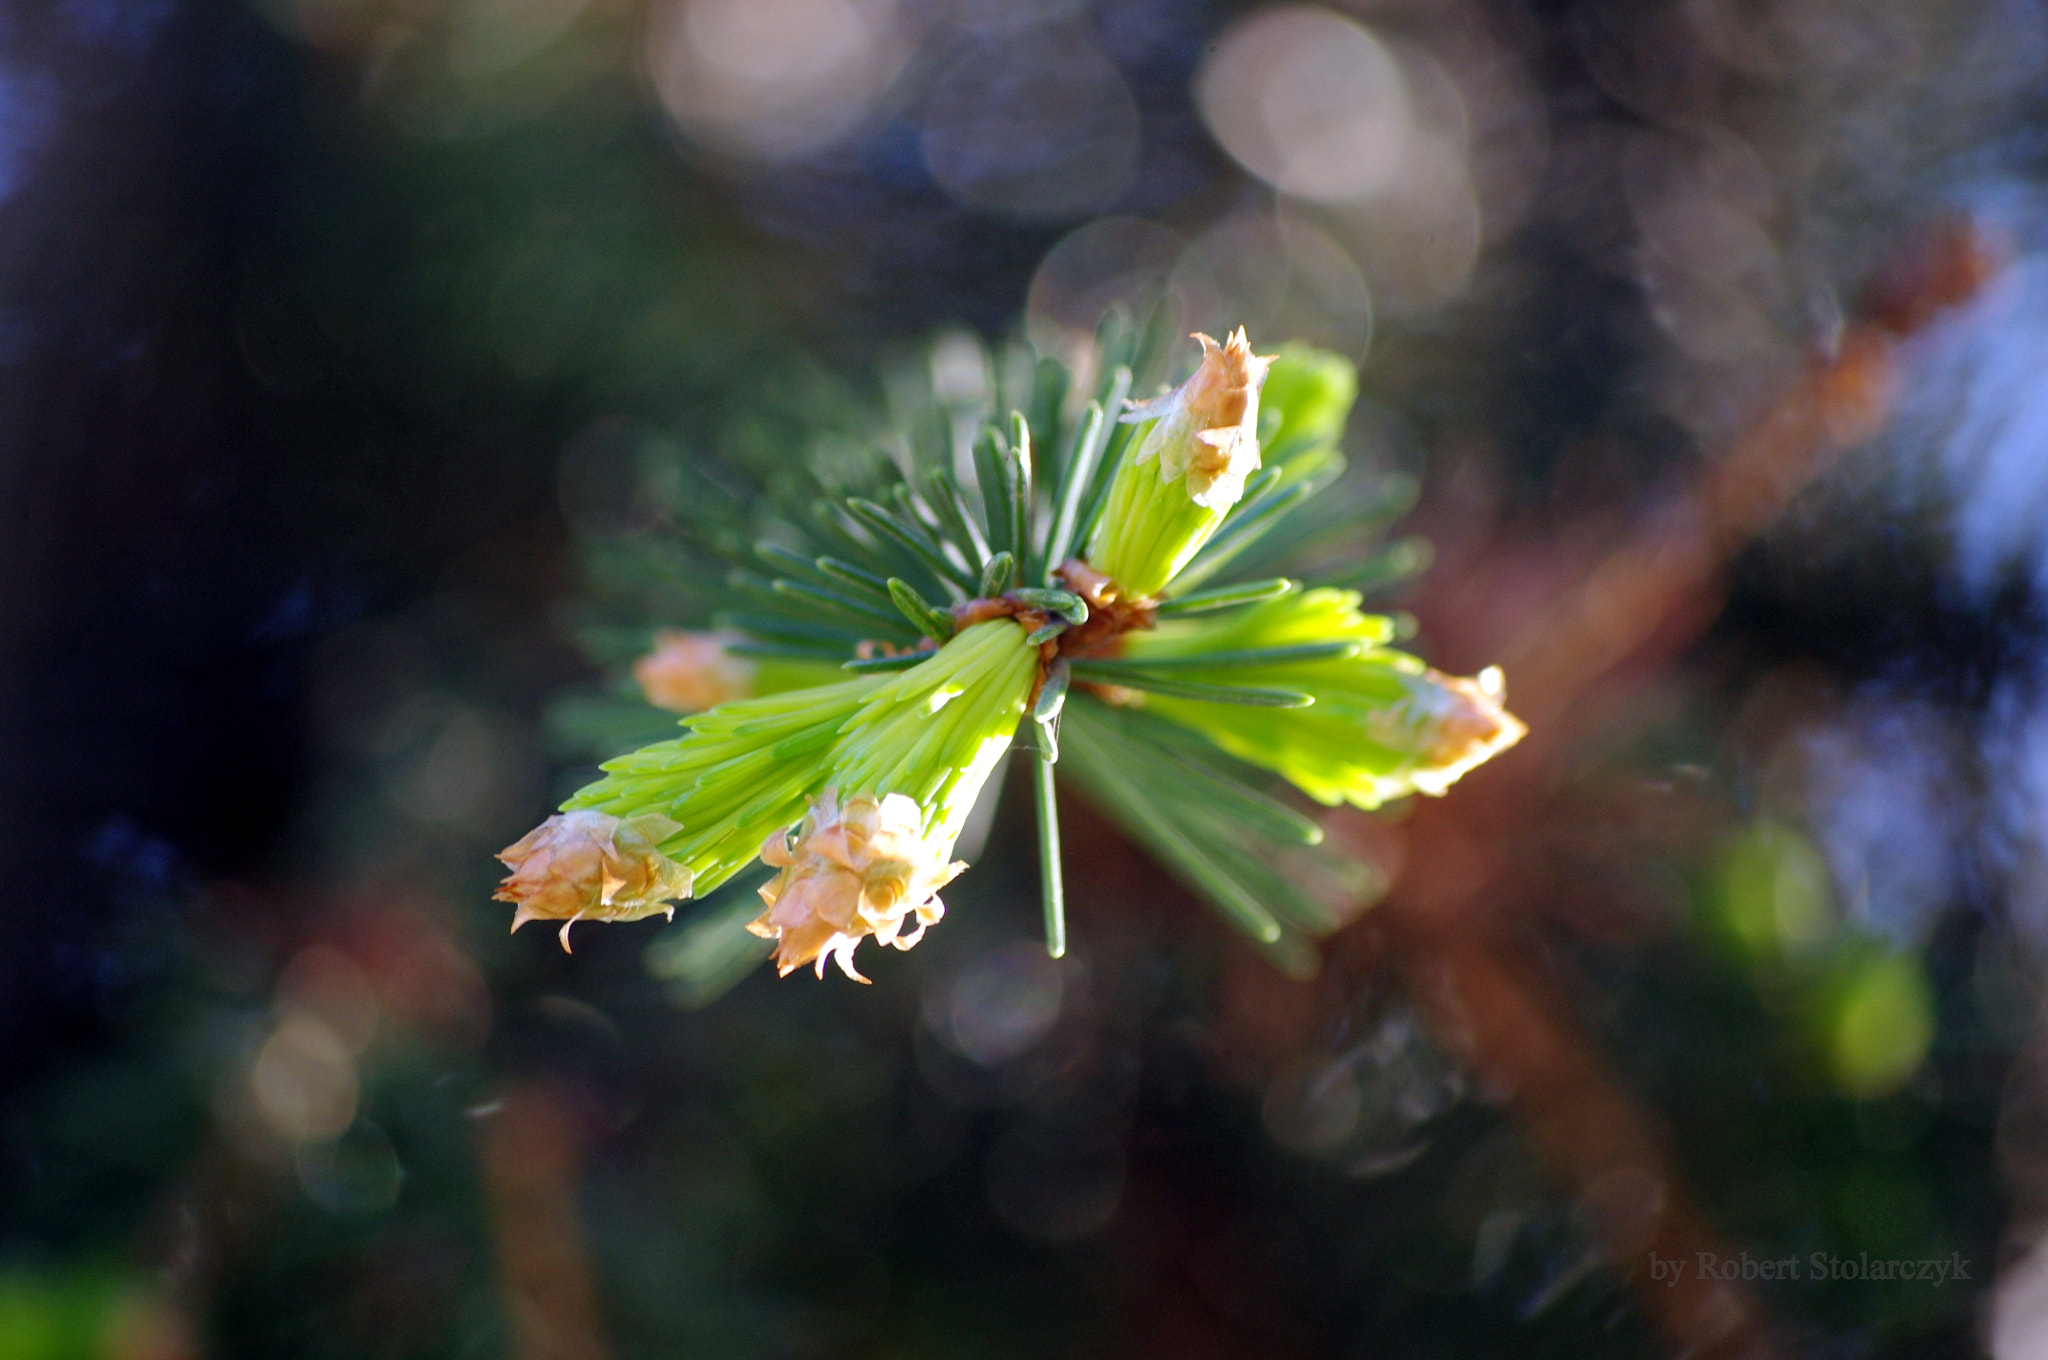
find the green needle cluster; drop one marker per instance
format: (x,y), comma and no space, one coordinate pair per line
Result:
(1039,562)
(1377,724)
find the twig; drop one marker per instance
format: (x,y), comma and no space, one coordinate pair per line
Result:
(1446,922)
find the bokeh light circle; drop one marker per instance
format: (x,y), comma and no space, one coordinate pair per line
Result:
(1416,245)
(1002,1004)
(1116,261)
(771,80)
(1276,275)
(304,1081)
(1308,101)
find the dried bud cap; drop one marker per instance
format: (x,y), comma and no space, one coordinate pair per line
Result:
(1217,408)
(592,866)
(856,870)
(1170,495)
(1469,726)
(691,672)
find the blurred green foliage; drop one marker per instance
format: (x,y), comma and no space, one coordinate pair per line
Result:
(347,374)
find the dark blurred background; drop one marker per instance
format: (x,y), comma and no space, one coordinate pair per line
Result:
(321,324)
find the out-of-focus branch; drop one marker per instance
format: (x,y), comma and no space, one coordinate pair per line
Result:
(530,1150)
(1670,568)
(1455,922)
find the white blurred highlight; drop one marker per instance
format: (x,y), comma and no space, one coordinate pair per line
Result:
(772,80)
(1308,101)
(1405,155)
(304,1080)
(2018,1324)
